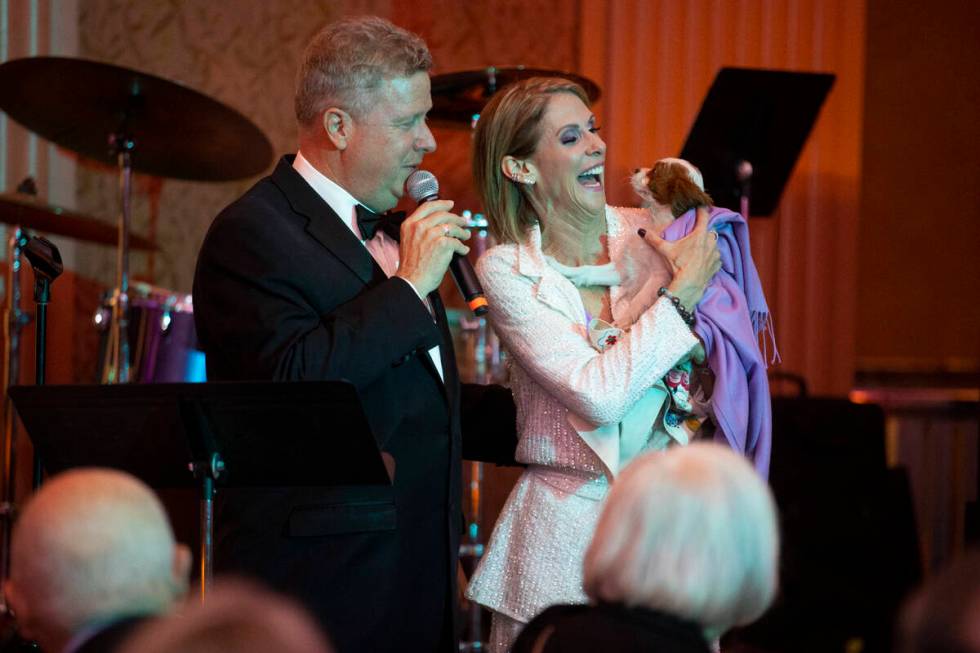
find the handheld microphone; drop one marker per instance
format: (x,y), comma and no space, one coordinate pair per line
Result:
(422,186)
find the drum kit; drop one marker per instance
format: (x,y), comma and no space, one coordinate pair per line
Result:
(139,122)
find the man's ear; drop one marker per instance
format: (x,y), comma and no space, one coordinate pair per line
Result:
(20,608)
(182,568)
(520,170)
(338,126)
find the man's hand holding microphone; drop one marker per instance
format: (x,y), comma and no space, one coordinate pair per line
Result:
(431,241)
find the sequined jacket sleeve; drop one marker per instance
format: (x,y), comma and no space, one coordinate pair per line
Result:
(539,317)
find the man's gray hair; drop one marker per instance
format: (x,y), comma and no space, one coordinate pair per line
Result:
(348,59)
(691,532)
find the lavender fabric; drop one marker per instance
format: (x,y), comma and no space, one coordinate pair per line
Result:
(730,317)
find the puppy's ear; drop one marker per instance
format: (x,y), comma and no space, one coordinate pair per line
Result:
(671,185)
(683,195)
(657,180)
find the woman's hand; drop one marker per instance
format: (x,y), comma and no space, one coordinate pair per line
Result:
(693,259)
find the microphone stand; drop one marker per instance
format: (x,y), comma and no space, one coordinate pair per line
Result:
(481,352)
(743,175)
(45,259)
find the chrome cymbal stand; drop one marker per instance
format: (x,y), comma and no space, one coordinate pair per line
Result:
(116,364)
(14,320)
(482,348)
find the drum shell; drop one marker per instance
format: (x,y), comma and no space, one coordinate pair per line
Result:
(162,339)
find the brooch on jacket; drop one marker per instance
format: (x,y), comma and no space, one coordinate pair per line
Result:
(603,335)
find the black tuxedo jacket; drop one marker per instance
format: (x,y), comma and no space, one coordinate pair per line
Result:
(284,291)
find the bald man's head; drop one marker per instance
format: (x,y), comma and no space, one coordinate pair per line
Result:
(92,545)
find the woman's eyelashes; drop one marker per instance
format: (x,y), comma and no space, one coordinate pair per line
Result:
(572,135)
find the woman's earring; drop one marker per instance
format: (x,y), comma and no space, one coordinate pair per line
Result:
(523,178)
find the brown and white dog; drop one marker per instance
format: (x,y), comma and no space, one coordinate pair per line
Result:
(670,188)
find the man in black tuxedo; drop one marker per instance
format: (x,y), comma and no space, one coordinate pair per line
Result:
(291,285)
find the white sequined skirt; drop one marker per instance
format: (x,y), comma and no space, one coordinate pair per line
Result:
(535,554)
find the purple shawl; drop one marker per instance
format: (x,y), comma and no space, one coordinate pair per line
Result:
(730,317)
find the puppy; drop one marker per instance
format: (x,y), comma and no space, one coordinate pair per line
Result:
(670,188)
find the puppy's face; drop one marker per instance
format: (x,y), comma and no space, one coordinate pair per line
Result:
(640,182)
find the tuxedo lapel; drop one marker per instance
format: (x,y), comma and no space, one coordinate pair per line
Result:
(326,227)
(323,224)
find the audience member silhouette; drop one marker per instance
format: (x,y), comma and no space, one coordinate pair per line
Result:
(687,547)
(92,555)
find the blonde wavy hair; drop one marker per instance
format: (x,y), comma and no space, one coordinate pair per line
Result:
(511,125)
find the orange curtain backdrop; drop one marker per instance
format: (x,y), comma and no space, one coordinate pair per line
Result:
(656,59)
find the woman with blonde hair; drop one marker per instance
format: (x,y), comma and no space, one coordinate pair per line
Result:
(687,547)
(595,317)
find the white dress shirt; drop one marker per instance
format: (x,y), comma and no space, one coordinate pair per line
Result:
(382,247)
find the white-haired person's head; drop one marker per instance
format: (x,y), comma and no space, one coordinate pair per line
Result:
(92,546)
(690,532)
(237,615)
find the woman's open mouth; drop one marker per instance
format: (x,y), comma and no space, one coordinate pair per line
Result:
(592,178)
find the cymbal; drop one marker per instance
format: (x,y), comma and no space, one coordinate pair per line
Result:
(457,97)
(177,131)
(30,213)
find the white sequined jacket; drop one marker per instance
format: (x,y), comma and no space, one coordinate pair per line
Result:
(573,404)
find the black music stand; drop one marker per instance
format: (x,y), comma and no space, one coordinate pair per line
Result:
(750,132)
(173,435)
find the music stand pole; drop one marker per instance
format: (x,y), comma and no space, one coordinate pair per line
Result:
(207,467)
(207,472)
(45,259)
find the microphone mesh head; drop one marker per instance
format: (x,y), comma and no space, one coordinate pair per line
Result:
(421,185)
